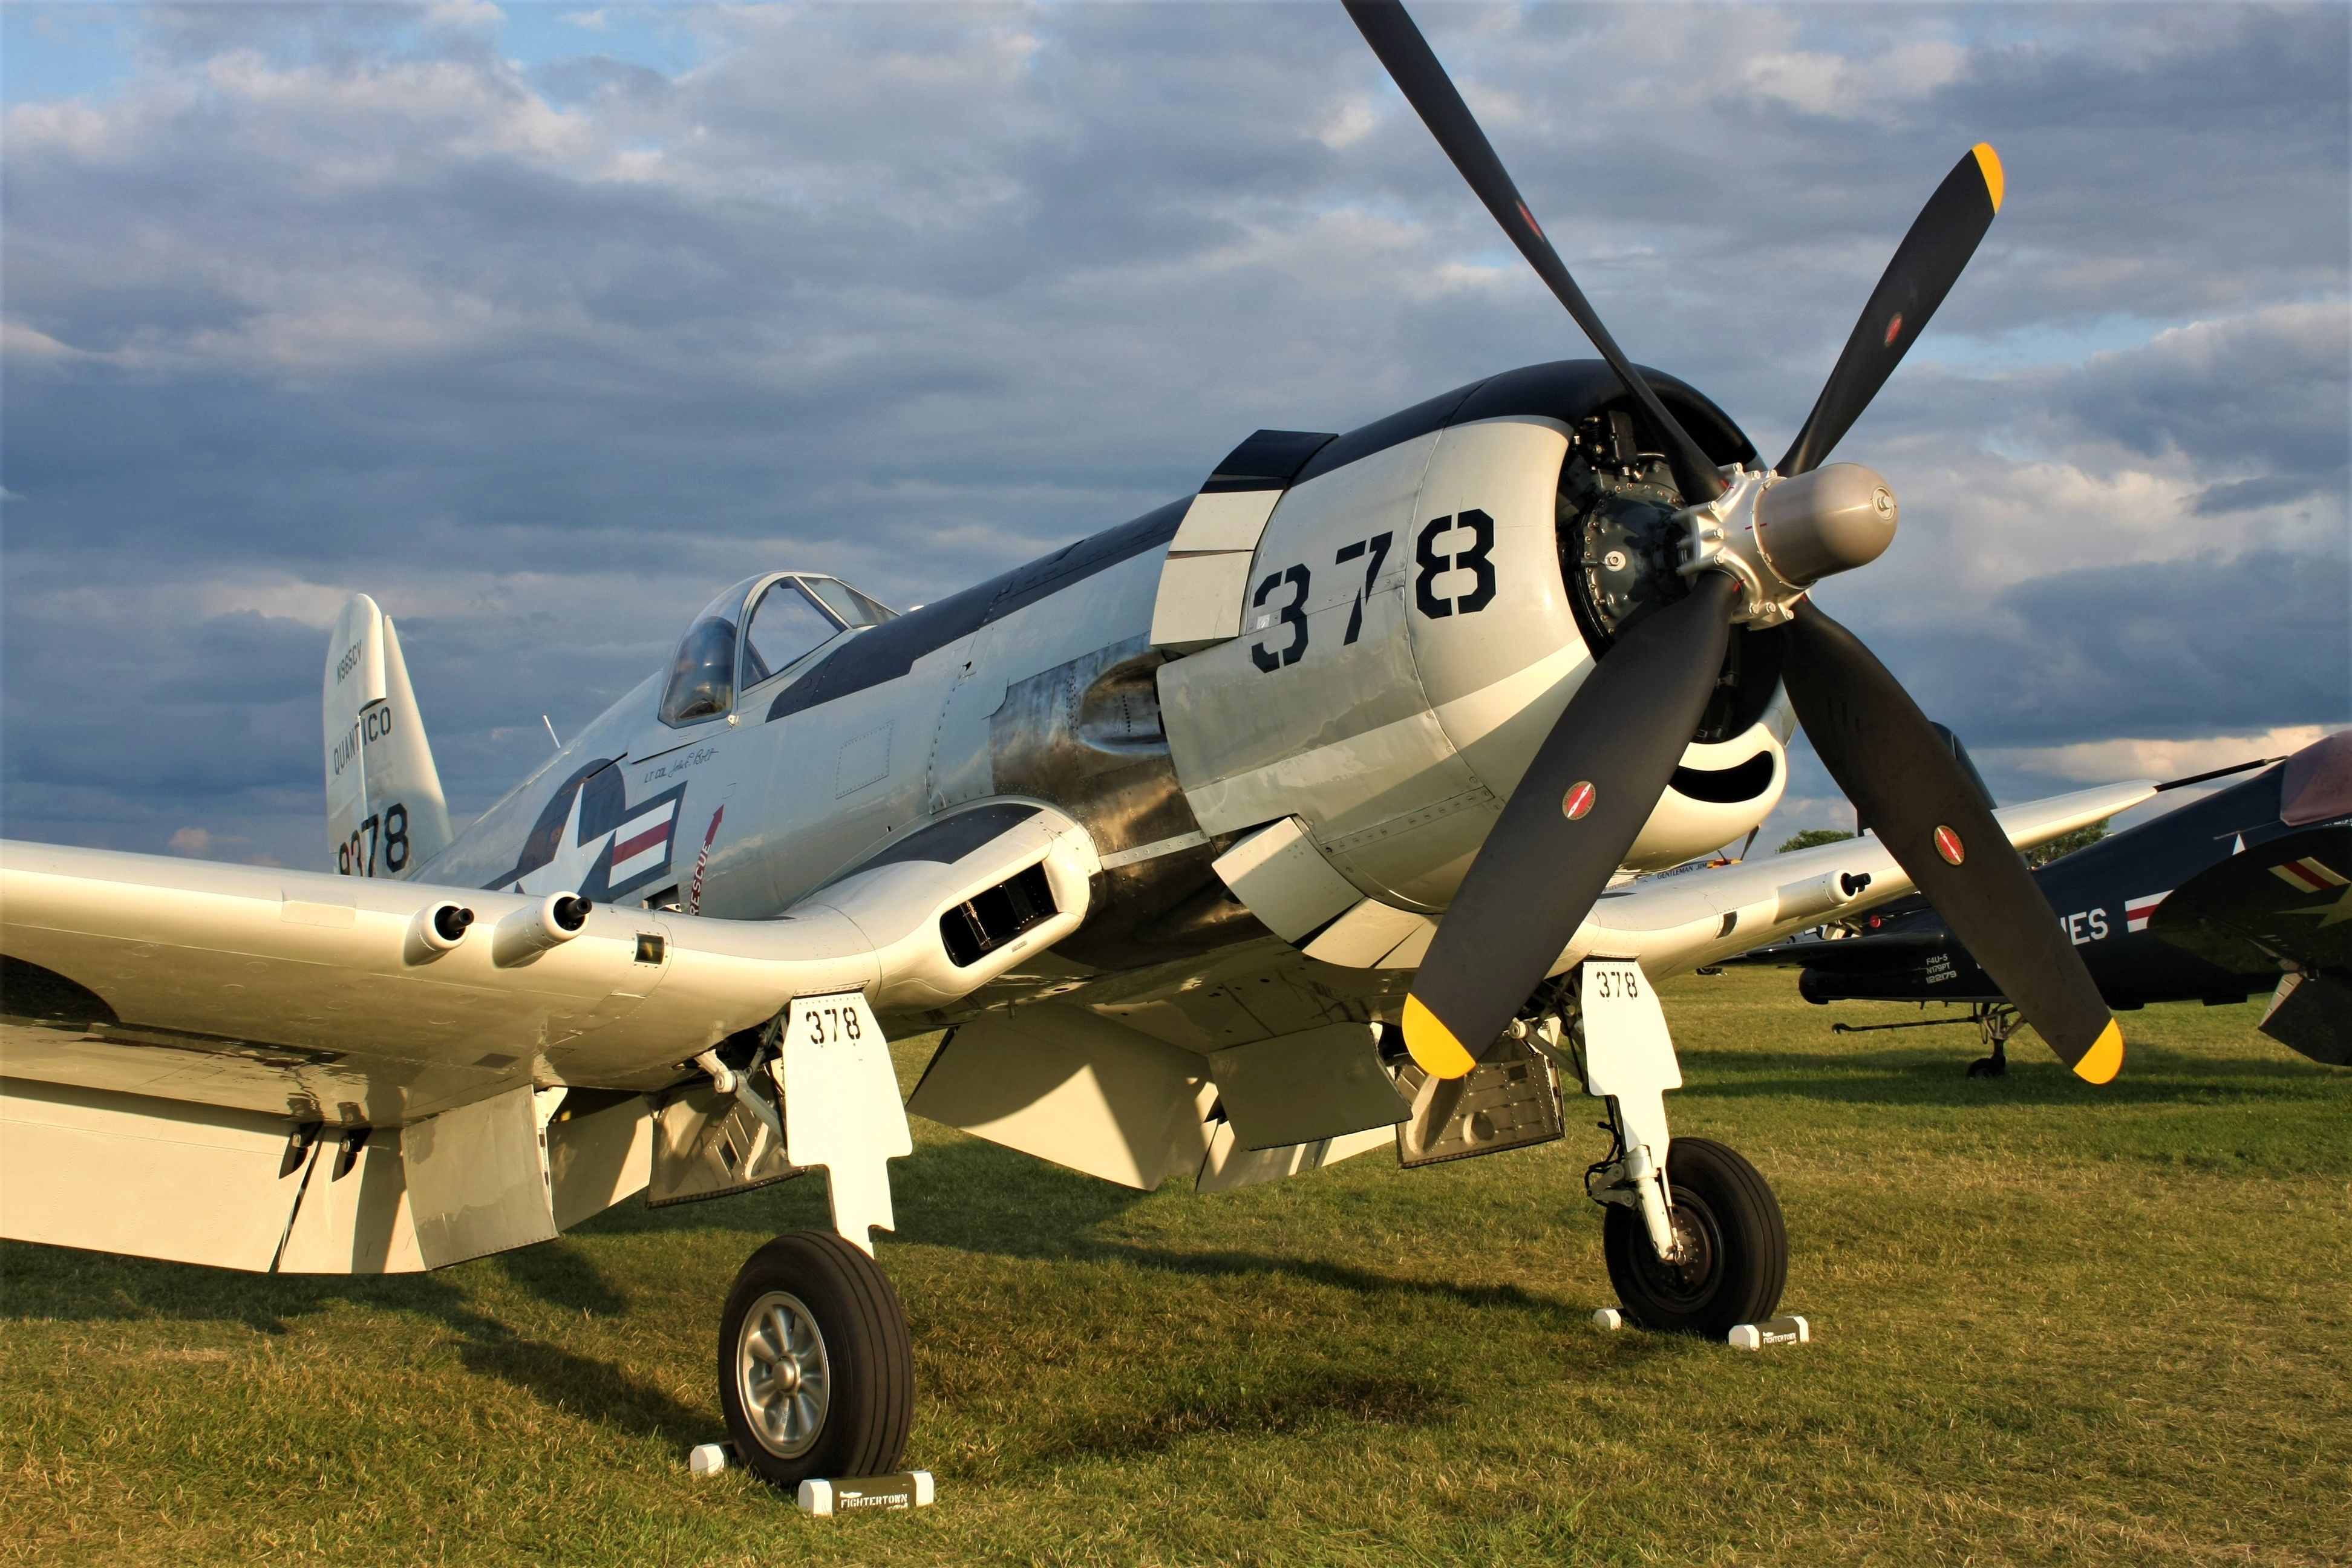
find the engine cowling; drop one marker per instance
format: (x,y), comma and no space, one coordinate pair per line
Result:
(1415,621)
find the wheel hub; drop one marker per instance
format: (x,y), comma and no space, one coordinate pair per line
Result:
(783,1375)
(1691,1276)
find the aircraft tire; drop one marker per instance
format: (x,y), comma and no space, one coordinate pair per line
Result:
(809,1308)
(1723,1203)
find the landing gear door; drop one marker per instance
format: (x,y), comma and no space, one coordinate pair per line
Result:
(1628,1056)
(842,1109)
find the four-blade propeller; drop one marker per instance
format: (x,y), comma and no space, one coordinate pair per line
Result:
(1601,773)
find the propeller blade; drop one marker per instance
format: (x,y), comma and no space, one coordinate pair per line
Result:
(1425,85)
(1926,265)
(1565,830)
(1893,764)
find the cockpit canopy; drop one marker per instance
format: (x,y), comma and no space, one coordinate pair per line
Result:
(756,630)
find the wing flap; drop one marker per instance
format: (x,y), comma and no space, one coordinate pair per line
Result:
(119,1173)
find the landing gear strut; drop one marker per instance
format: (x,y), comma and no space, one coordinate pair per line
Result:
(1996,1021)
(1694,1237)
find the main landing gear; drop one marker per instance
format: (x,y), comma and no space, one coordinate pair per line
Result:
(816,1371)
(1731,1257)
(1996,1021)
(1694,1237)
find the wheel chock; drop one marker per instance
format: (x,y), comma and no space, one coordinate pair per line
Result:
(1787,1330)
(858,1494)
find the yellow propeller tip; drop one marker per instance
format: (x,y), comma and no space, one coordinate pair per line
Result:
(1433,1045)
(2105,1058)
(1989,165)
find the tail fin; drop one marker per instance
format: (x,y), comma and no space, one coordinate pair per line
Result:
(385,813)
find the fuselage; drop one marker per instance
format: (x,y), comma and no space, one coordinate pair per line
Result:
(1408,620)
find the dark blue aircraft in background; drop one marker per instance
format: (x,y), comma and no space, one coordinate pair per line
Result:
(2245,891)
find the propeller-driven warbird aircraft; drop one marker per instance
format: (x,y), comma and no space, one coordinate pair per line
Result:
(2246,890)
(1276,824)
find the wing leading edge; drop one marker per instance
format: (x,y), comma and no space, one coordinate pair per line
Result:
(185,1044)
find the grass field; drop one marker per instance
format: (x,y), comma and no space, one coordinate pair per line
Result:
(2055,1325)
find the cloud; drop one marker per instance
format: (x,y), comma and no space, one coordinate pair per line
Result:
(2097,761)
(2174,648)
(1879,85)
(203,844)
(322,298)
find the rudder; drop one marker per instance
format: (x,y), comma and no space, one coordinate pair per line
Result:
(386,815)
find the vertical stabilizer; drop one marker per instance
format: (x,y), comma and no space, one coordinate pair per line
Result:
(385,813)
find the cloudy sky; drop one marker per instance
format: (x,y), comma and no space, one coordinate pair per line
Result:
(540,323)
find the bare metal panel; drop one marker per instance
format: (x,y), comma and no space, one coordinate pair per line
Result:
(1085,734)
(1088,735)
(1073,628)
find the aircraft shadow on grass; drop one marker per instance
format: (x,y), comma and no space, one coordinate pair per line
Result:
(972,1196)
(61,1284)
(963,1195)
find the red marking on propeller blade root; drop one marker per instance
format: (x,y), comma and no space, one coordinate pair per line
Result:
(1948,844)
(1893,330)
(1578,800)
(1532,220)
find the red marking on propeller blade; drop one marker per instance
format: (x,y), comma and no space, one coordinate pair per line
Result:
(1893,330)
(1948,844)
(1532,220)
(1579,799)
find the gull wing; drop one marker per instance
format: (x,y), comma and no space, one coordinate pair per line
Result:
(184,1044)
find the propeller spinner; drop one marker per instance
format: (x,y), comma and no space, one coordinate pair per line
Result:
(1756,542)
